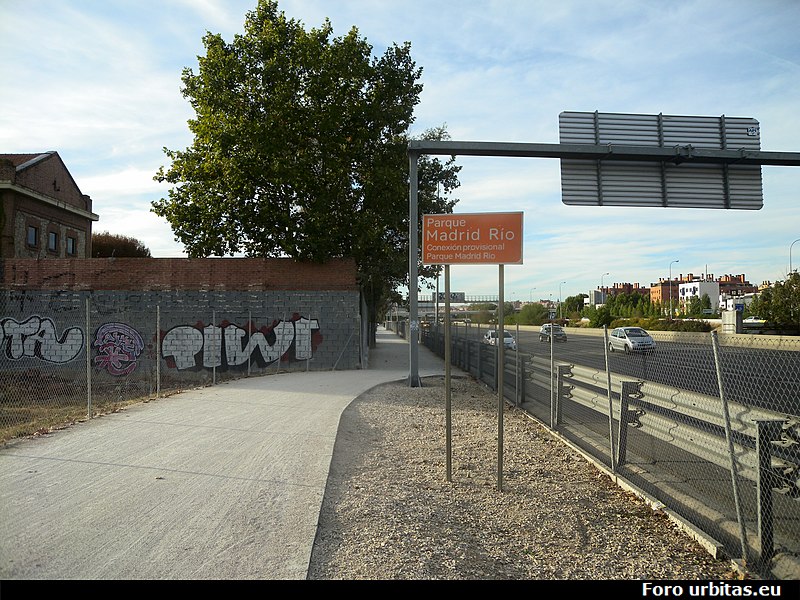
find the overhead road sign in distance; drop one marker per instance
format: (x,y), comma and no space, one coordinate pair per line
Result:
(472,239)
(675,179)
(459,297)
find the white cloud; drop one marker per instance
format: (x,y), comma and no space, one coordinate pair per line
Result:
(99,82)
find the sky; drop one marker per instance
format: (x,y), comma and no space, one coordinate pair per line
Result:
(99,81)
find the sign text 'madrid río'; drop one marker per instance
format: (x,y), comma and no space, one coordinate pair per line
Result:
(472,239)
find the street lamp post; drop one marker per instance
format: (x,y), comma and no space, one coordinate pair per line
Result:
(531,294)
(790,255)
(559,299)
(670,288)
(602,293)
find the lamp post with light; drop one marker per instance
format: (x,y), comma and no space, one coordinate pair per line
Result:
(559,299)
(670,287)
(790,255)
(602,293)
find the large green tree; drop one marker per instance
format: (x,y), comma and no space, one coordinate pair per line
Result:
(300,150)
(779,305)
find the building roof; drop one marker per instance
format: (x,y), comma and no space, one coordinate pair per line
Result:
(23,161)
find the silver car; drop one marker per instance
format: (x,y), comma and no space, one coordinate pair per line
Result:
(491,338)
(630,339)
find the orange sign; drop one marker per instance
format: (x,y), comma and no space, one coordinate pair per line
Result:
(472,239)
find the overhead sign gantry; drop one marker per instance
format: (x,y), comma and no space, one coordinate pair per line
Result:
(661,150)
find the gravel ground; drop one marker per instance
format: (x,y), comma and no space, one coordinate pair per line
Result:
(389,512)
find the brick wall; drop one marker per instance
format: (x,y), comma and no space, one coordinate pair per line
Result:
(233,274)
(171,323)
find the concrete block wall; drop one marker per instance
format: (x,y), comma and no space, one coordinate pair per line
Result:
(186,338)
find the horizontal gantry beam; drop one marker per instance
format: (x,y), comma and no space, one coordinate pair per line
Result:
(676,154)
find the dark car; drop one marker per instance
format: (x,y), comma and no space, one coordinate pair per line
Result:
(558,333)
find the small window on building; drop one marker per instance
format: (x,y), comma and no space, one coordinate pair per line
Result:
(52,241)
(71,246)
(33,236)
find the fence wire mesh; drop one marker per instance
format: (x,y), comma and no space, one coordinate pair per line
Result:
(94,354)
(706,425)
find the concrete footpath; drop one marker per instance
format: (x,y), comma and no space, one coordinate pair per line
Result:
(224,482)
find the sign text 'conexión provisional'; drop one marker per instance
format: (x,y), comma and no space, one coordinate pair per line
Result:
(472,239)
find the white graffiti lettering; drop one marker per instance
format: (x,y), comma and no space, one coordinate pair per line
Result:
(36,338)
(184,343)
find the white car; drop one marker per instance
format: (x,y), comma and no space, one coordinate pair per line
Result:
(491,338)
(630,339)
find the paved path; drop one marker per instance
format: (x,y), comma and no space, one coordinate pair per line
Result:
(224,482)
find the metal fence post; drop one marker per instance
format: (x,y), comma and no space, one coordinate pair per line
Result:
(88,363)
(214,366)
(158,350)
(729,438)
(249,337)
(612,452)
(517,385)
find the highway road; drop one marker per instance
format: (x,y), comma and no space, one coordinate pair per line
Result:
(765,374)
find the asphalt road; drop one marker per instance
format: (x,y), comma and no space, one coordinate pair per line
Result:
(765,375)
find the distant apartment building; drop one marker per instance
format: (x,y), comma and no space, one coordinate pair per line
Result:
(665,289)
(686,287)
(43,213)
(735,292)
(600,295)
(697,288)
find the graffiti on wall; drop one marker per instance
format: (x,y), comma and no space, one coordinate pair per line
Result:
(228,346)
(118,348)
(37,337)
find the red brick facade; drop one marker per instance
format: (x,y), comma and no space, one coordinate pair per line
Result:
(43,213)
(223,274)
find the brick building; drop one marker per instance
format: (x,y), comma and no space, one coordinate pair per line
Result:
(43,213)
(685,287)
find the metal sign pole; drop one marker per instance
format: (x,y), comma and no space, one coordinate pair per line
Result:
(448,406)
(501,345)
(413,273)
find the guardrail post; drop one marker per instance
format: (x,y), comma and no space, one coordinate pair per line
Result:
(563,373)
(630,390)
(480,365)
(768,432)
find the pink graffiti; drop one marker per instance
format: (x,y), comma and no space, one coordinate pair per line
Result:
(119,346)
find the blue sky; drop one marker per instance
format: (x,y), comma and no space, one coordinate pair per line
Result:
(99,82)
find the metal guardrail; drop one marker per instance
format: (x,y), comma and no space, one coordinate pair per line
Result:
(758,447)
(687,419)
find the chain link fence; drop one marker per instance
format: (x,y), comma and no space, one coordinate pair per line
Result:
(704,426)
(70,356)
